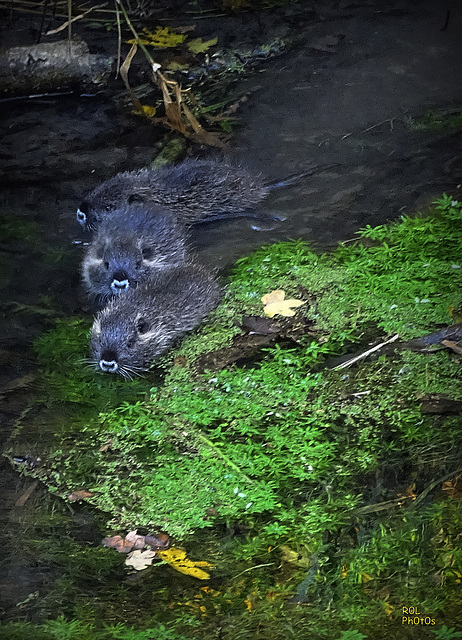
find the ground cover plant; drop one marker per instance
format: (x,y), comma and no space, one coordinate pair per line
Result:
(329,491)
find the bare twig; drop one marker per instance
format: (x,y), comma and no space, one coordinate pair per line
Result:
(74,19)
(390,120)
(366,353)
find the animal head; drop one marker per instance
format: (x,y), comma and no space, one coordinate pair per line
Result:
(125,340)
(119,191)
(133,247)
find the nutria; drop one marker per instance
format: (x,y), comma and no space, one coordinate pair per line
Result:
(130,248)
(195,191)
(133,329)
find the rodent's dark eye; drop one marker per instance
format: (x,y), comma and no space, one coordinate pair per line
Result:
(106,264)
(130,343)
(108,207)
(147,253)
(134,197)
(142,326)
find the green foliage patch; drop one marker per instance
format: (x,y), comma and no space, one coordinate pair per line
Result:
(292,452)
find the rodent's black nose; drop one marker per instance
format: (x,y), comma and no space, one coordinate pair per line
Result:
(108,361)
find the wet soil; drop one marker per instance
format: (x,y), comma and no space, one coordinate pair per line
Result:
(342,95)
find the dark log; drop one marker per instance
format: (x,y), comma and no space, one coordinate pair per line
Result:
(51,67)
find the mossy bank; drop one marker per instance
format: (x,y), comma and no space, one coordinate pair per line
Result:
(322,488)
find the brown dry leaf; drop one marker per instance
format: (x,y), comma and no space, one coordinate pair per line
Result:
(177,559)
(118,543)
(140,560)
(158,542)
(137,542)
(79,495)
(259,325)
(276,304)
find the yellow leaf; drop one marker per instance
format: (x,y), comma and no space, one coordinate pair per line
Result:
(275,304)
(365,577)
(147,110)
(162,38)
(177,560)
(138,41)
(198,46)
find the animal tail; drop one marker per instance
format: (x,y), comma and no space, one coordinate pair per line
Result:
(296,177)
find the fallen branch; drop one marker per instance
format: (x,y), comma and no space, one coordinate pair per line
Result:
(51,67)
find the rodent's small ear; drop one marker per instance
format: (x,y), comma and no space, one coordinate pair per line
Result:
(134,197)
(147,252)
(142,326)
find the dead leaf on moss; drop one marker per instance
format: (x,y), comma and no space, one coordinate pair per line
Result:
(276,304)
(199,46)
(79,495)
(177,559)
(118,543)
(140,560)
(161,541)
(137,541)
(260,326)
(134,541)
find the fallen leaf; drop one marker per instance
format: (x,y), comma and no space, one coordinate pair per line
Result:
(275,304)
(199,46)
(140,560)
(137,542)
(118,543)
(258,325)
(133,541)
(177,559)
(161,38)
(146,110)
(158,542)
(79,495)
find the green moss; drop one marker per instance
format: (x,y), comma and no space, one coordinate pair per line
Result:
(287,450)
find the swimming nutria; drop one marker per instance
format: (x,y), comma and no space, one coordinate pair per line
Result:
(195,191)
(133,329)
(130,248)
